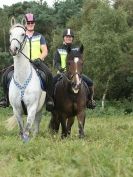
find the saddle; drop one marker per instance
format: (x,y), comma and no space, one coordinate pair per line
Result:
(42,76)
(8,74)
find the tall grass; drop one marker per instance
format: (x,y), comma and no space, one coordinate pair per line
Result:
(106,151)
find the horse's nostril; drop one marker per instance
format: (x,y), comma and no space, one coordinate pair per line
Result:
(73,84)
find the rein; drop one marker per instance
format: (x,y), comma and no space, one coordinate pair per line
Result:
(69,80)
(75,74)
(64,75)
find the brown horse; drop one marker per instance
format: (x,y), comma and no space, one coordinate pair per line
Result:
(70,96)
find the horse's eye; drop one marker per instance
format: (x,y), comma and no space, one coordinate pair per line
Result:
(23,34)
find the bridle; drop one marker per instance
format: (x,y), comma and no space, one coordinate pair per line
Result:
(71,77)
(22,44)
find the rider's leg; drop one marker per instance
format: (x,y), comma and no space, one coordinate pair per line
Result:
(55,79)
(90,103)
(49,87)
(6,78)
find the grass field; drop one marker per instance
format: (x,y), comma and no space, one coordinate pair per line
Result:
(106,151)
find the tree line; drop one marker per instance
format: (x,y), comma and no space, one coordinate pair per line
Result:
(105,29)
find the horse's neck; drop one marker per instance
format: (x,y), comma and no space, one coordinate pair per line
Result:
(66,84)
(22,67)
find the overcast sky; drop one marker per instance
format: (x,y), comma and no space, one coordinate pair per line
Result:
(10,2)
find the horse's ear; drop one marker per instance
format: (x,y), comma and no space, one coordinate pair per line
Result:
(23,21)
(13,21)
(81,49)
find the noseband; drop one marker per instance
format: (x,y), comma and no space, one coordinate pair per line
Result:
(75,75)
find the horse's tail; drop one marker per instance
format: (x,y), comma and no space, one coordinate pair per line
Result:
(11,123)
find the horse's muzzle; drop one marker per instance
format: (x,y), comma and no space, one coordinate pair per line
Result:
(76,87)
(14,51)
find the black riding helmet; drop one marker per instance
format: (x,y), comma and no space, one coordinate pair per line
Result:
(68,32)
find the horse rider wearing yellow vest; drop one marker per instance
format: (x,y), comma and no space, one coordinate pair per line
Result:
(37,52)
(60,64)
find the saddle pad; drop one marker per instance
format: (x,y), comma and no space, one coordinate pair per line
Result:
(42,78)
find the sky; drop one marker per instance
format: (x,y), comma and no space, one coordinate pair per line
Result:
(10,2)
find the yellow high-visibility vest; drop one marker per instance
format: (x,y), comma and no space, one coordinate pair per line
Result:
(34,47)
(63,56)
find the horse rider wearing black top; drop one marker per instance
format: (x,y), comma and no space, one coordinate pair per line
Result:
(60,65)
(36,53)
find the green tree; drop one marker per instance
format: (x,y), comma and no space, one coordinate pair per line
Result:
(102,41)
(64,10)
(127,5)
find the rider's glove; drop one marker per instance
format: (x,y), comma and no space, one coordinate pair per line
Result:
(37,61)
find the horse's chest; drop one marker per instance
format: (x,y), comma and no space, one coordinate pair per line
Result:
(72,105)
(69,103)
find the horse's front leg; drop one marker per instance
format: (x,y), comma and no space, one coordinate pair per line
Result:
(29,123)
(54,123)
(18,116)
(70,122)
(64,127)
(37,122)
(81,122)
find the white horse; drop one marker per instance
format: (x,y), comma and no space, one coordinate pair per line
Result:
(25,85)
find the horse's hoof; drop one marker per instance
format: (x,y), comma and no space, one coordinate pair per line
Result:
(63,136)
(50,106)
(25,138)
(81,136)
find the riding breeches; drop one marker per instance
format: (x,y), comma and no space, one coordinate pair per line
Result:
(87,80)
(49,77)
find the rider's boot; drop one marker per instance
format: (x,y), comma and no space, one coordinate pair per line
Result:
(4,102)
(49,92)
(49,103)
(6,78)
(91,104)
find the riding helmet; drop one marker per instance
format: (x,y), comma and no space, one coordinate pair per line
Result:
(30,17)
(68,32)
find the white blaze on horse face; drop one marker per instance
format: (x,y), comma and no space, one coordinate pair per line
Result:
(78,80)
(76,59)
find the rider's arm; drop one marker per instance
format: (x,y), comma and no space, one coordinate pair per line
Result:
(57,60)
(44,49)
(44,53)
